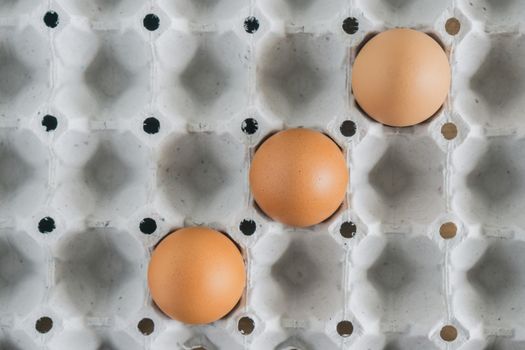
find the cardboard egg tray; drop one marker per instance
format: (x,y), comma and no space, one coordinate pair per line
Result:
(122,120)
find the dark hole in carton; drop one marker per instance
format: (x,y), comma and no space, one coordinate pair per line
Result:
(148,226)
(46,225)
(249,126)
(146,326)
(251,25)
(151,125)
(448,333)
(248,227)
(345,328)
(49,122)
(348,128)
(449,131)
(348,229)
(350,25)
(44,324)
(151,22)
(448,230)
(51,19)
(452,26)
(246,325)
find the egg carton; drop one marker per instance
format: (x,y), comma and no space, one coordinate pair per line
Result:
(121,121)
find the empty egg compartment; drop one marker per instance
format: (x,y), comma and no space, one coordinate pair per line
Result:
(104,174)
(25,283)
(291,270)
(24,172)
(489,79)
(297,81)
(207,82)
(98,295)
(393,174)
(298,268)
(25,69)
(488,295)
(102,73)
(99,273)
(202,176)
(398,278)
(23,274)
(487,181)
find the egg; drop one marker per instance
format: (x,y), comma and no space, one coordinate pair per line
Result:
(298,177)
(196,275)
(401,77)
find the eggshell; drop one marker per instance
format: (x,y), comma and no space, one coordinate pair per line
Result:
(299,177)
(196,275)
(401,77)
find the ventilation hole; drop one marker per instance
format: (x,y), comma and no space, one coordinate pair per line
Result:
(345,328)
(49,122)
(249,126)
(248,227)
(151,22)
(51,19)
(148,226)
(448,333)
(348,128)
(199,348)
(448,230)
(449,131)
(348,229)
(246,325)
(46,225)
(146,326)
(151,125)
(452,26)
(251,25)
(44,324)
(351,25)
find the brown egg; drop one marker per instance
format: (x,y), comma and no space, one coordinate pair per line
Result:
(401,77)
(196,275)
(299,177)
